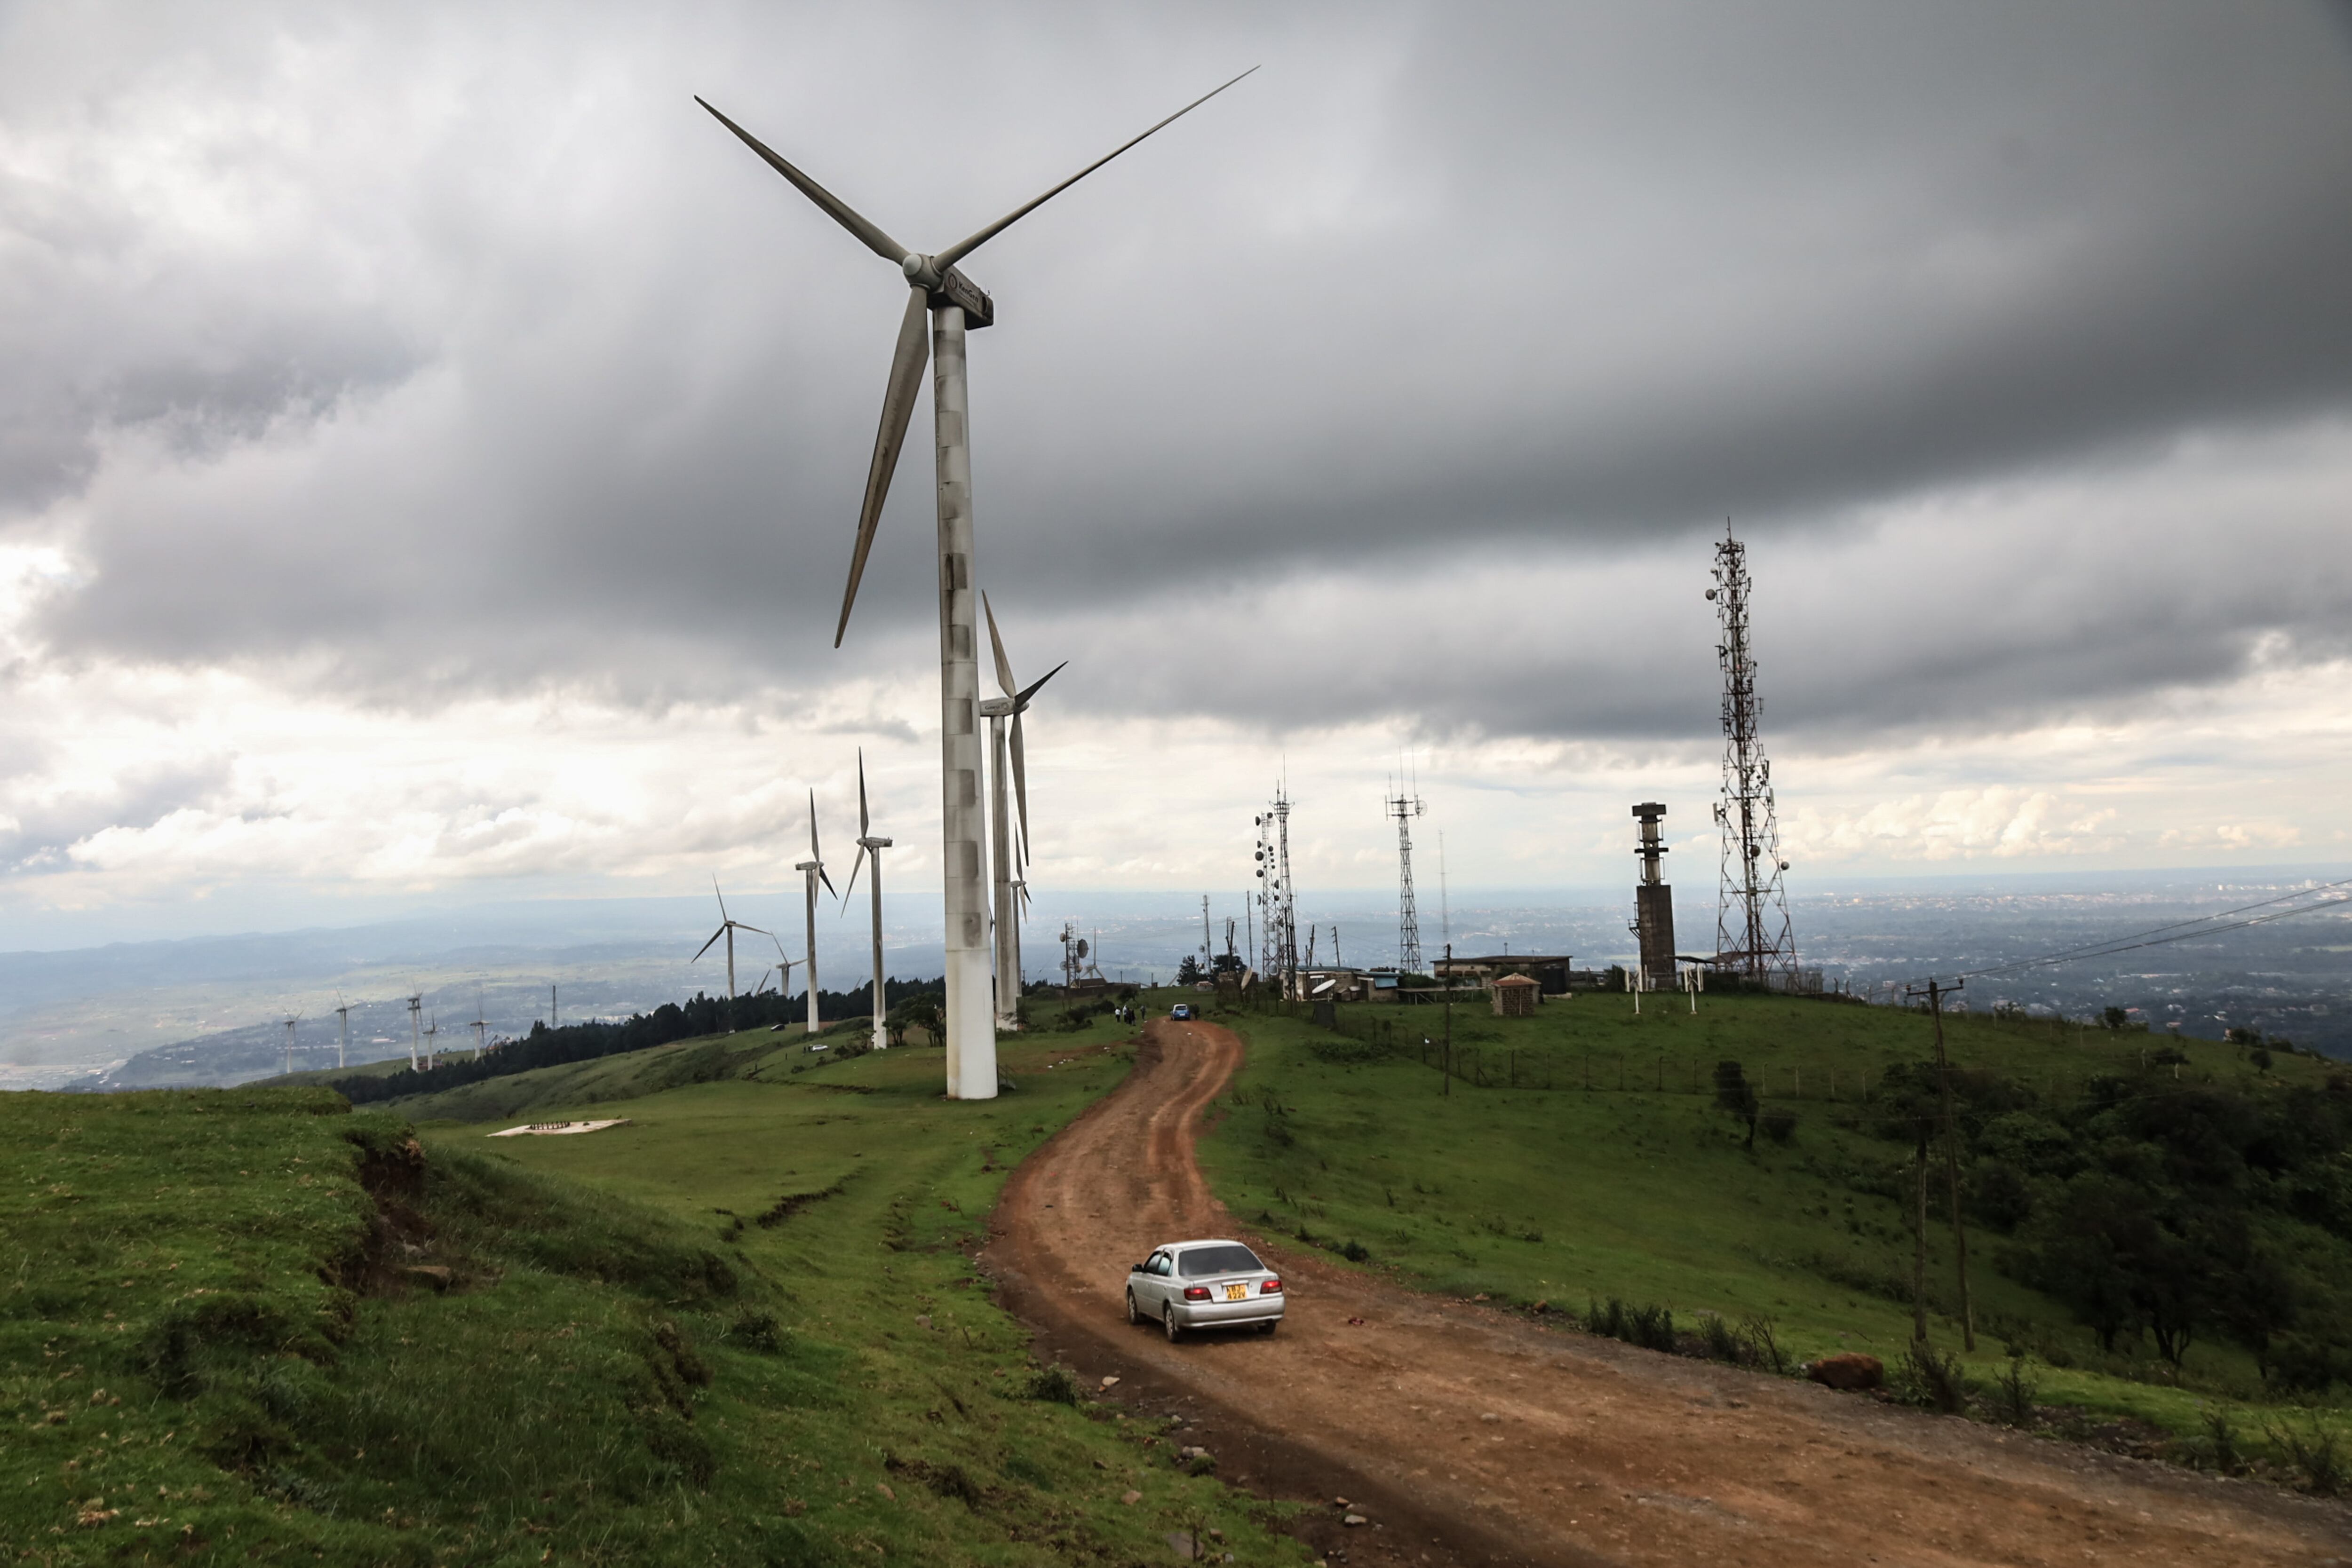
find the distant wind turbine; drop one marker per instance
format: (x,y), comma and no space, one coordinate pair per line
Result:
(291,1022)
(415,1038)
(432,1032)
(344,1041)
(783,971)
(728,926)
(870,846)
(953,302)
(480,1029)
(812,872)
(1010,857)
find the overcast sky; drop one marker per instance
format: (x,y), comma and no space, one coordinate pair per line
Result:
(430,446)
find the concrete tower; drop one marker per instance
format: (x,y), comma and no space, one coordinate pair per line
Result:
(1653,903)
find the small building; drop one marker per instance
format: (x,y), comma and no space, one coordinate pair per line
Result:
(1552,972)
(1516,995)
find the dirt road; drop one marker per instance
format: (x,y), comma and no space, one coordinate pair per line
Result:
(1466,1435)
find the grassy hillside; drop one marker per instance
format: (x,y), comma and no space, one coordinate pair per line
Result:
(1517,1180)
(246,1325)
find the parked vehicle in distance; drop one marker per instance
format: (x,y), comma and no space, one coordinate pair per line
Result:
(1213,1284)
(1180,1011)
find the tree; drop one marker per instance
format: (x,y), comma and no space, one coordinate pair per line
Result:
(1190,970)
(1733,1093)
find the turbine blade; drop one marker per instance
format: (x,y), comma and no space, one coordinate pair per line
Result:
(996,645)
(841,212)
(852,886)
(812,849)
(715,935)
(1020,780)
(740,927)
(1022,699)
(827,880)
(965,246)
(722,897)
(865,824)
(898,396)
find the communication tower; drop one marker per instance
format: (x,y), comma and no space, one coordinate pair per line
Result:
(1753,937)
(1276,902)
(1404,805)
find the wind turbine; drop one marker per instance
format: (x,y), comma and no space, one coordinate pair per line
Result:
(1010,857)
(431,1030)
(953,302)
(291,1022)
(812,872)
(416,1038)
(728,926)
(343,1042)
(480,1029)
(783,970)
(868,845)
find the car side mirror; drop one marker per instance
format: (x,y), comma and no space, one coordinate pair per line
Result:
(1138,1269)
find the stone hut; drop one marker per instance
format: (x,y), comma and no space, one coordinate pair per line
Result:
(1516,997)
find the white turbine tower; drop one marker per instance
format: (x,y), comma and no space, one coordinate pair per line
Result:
(728,926)
(344,1041)
(812,872)
(291,1022)
(783,971)
(1011,856)
(432,1031)
(868,846)
(480,1028)
(953,302)
(415,1037)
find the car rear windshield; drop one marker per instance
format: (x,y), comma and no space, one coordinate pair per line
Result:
(1235,1259)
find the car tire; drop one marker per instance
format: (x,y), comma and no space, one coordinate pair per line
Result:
(1168,1321)
(1133,1316)
(1268,1326)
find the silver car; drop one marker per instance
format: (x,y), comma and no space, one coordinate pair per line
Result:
(1203,1285)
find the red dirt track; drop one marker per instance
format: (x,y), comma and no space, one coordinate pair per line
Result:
(1468,1436)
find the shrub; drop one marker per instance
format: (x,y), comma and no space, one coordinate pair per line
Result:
(1930,1377)
(2317,1454)
(1780,1125)
(1055,1385)
(2222,1439)
(1722,1343)
(1763,1343)
(2015,1392)
(757,1331)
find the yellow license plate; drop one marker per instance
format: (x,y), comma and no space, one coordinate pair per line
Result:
(1237,1293)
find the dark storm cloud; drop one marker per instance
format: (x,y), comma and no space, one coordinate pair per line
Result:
(478,357)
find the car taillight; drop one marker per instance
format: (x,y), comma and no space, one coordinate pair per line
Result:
(1271,1287)
(1196,1293)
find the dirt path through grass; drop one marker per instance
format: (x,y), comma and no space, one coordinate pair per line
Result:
(1473,1436)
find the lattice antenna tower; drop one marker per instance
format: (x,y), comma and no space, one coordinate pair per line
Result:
(1276,902)
(1753,937)
(1404,805)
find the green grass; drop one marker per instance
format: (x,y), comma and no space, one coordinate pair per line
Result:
(1638,1188)
(743,1329)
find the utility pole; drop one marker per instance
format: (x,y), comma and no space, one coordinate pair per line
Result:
(1447,981)
(1935,995)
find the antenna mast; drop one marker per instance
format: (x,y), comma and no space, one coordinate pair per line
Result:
(1753,937)
(1404,805)
(1276,904)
